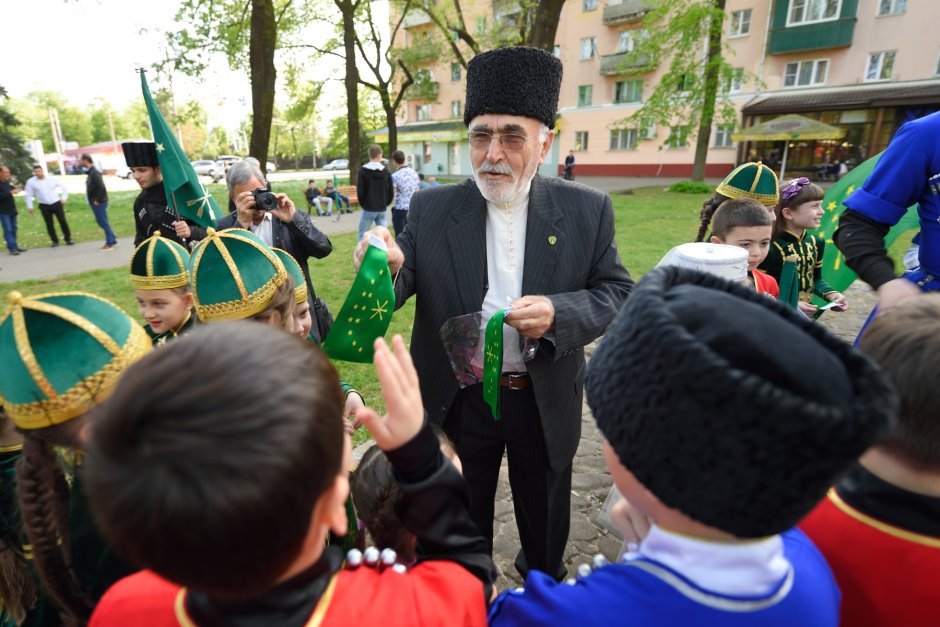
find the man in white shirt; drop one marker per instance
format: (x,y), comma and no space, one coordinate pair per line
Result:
(51,196)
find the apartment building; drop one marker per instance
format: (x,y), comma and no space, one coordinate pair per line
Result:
(864,65)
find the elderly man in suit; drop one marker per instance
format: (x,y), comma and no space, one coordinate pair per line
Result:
(544,245)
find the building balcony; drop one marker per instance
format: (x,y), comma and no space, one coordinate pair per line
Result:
(626,12)
(418,54)
(818,36)
(415,17)
(624,63)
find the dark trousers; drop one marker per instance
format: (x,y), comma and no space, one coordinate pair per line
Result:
(541,497)
(399,220)
(55,209)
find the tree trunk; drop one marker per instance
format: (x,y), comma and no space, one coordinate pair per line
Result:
(263,76)
(390,121)
(712,65)
(348,10)
(542,33)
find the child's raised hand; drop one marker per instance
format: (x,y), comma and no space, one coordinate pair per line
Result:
(840,299)
(402,396)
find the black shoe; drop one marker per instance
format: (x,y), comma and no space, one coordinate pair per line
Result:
(69,242)
(14,252)
(22,250)
(55,244)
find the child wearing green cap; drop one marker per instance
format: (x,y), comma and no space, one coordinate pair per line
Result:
(160,276)
(62,354)
(752,180)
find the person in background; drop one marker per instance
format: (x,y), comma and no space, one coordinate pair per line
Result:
(423,184)
(151,211)
(97,195)
(8,214)
(569,166)
(374,190)
(405,181)
(315,198)
(331,191)
(51,196)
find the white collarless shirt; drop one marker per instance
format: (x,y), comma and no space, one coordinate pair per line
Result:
(505,258)
(46,190)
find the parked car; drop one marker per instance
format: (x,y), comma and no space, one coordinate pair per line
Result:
(337,164)
(205,167)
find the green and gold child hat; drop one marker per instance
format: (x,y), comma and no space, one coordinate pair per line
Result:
(159,264)
(751,180)
(234,275)
(293,269)
(62,354)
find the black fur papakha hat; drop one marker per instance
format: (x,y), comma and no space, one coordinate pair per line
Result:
(140,154)
(731,407)
(513,81)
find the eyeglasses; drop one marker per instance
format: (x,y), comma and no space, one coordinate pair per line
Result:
(510,141)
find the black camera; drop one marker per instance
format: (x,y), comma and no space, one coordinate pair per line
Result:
(265,200)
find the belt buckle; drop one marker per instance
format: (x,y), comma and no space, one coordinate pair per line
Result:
(513,378)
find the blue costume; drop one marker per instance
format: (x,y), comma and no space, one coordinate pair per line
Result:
(799,589)
(907,173)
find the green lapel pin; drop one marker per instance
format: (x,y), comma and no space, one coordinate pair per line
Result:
(552,239)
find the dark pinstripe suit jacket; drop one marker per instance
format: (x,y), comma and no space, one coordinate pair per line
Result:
(445,267)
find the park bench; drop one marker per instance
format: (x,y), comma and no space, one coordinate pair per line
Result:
(350,192)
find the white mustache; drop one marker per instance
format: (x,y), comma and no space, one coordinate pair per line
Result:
(494,168)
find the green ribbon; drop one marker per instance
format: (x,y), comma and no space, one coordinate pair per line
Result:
(493,361)
(789,284)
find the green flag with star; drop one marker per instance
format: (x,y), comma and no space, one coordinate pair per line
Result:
(834,270)
(186,195)
(493,361)
(367,311)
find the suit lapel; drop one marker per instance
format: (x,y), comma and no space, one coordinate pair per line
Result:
(466,239)
(543,240)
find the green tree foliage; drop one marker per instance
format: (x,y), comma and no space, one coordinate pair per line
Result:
(372,118)
(247,33)
(685,37)
(12,153)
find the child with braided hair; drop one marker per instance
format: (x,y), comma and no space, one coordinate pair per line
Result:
(799,211)
(376,495)
(752,180)
(62,353)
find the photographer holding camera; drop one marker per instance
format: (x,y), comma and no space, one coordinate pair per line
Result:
(275,219)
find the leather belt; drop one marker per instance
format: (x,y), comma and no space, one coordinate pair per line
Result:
(515,380)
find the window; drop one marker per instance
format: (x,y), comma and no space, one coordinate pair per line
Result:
(723,137)
(685,82)
(891,7)
(585,94)
(809,11)
(740,23)
(804,73)
(427,152)
(623,138)
(678,137)
(423,112)
(455,108)
(581,140)
(455,71)
(625,42)
(880,66)
(735,81)
(628,91)
(589,5)
(588,47)
(556,51)
(481,25)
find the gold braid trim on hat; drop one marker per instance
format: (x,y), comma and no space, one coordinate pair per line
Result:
(300,293)
(160,282)
(84,394)
(253,304)
(232,267)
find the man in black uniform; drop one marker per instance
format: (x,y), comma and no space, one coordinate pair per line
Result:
(151,213)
